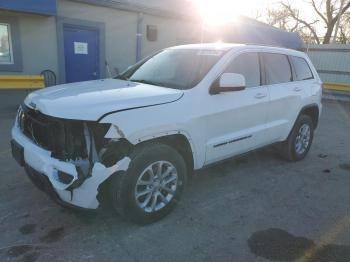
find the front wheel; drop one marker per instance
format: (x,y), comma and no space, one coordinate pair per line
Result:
(298,144)
(152,185)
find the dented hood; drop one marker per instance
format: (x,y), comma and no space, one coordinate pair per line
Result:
(92,99)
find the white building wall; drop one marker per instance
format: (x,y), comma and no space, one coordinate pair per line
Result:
(171,32)
(39,40)
(120,29)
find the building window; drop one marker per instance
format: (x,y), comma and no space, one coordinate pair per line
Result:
(6,56)
(10,45)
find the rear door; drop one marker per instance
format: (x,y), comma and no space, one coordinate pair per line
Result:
(237,120)
(285,95)
(303,76)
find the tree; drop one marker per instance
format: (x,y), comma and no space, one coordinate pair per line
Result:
(344,29)
(327,12)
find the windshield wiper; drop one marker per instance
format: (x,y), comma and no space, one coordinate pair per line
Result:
(143,81)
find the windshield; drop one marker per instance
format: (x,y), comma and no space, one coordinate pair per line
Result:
(174,68)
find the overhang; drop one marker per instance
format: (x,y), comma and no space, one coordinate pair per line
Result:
(42,7)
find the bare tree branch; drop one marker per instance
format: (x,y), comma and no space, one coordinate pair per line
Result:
(341,12)
(312,2)
(295,16)
(327,13)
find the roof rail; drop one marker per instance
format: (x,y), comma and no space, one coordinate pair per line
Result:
(268,45)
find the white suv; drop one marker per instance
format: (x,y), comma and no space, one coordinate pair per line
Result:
(140,136)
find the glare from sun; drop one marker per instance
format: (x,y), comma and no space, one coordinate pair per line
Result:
(220,12)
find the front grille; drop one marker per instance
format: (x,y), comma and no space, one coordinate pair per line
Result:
(64,138)
(36,127)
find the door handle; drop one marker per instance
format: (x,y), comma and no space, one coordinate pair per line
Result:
(297,89)
(260,95)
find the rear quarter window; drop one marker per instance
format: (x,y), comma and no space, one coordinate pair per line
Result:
(277,68)
(302,69)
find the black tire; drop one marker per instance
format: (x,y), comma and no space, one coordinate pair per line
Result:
(122,186)
(288,147)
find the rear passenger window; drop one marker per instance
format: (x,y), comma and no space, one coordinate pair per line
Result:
(277,69)
(247,65)
(302,69)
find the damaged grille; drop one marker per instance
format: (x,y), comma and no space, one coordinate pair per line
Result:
(63,137)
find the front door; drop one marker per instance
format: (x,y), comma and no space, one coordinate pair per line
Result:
(238,121)
(81,52)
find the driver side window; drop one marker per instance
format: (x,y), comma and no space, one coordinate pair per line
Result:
(248,65)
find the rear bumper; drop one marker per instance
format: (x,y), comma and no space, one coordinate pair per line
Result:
(43,170)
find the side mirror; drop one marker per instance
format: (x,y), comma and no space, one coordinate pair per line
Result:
(228,82)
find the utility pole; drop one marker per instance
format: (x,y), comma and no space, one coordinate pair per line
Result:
(139,37)
(338,21)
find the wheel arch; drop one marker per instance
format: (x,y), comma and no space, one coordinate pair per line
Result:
(178,140)
(312,111)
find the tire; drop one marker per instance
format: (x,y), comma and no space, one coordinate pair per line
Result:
(145,161)
(291,149)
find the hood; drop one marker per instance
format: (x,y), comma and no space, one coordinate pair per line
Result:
(92,99)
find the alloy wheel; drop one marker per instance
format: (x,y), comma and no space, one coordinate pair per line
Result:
(156,186)
(302,140)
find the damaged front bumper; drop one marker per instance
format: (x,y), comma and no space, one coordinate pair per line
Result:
(40,162)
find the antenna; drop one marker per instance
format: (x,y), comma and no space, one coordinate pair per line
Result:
(108,69)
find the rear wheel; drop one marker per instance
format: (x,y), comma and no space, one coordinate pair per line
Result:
(152,185)
(299,141)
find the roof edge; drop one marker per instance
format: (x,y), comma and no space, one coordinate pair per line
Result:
(139,8)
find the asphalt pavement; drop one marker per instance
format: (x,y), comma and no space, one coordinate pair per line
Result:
(254,208)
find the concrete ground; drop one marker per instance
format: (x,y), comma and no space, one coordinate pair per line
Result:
(255,208)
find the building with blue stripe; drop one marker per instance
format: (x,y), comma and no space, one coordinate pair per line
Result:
(89,39)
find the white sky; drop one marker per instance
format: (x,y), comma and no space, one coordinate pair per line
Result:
(252,6)
(218,9)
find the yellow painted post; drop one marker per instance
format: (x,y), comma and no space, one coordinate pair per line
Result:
(11,82)
(337,86)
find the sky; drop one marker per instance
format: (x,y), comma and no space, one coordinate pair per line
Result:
(220,12)
(245,7)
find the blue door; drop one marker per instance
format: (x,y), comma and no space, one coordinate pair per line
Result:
(81,51)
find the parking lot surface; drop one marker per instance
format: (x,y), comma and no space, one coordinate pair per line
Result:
(253,208)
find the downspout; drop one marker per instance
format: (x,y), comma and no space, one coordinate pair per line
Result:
(139,36)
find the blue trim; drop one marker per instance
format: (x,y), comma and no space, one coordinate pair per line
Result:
(254,32)
(17,65)
(44,7)
(62,22)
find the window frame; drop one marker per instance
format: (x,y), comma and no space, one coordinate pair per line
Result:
(265,72)
(15,45)
(290,57)
(10,44)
